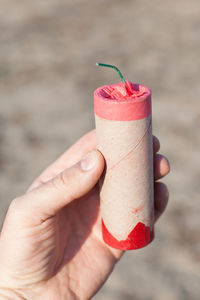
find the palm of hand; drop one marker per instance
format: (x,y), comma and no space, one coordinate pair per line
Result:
(80,262)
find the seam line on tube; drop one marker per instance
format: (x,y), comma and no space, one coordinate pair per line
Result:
(135,147)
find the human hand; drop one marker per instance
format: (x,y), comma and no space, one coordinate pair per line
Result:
(51,245)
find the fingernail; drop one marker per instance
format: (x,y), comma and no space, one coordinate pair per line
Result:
(88,162)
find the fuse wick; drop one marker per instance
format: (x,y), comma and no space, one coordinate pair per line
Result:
(113,67)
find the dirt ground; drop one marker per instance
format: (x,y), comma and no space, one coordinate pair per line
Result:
(48,51)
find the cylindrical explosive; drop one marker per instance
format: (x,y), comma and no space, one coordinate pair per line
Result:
(124,137)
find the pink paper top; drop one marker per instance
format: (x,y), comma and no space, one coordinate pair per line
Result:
(121,102)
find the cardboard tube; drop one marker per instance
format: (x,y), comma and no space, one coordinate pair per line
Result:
(124,137)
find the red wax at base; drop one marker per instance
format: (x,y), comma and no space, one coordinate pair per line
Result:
(139,237)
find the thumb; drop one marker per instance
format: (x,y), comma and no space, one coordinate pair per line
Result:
(67,186)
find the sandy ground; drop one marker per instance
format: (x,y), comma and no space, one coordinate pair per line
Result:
(48,52)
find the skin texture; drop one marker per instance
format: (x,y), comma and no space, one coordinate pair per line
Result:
(51,245)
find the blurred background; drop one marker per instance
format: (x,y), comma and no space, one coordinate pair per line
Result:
(48,51)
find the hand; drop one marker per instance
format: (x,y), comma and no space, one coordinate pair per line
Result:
(51,245)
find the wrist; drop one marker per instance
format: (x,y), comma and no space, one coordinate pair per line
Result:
(8,294)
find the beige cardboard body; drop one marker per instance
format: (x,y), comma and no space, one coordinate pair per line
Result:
(126,196)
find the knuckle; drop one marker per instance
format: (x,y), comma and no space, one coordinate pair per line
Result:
(64,183)
(61,180)
(15,207)
(15,203)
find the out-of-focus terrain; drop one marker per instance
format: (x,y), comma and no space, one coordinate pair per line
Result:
(48,51)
